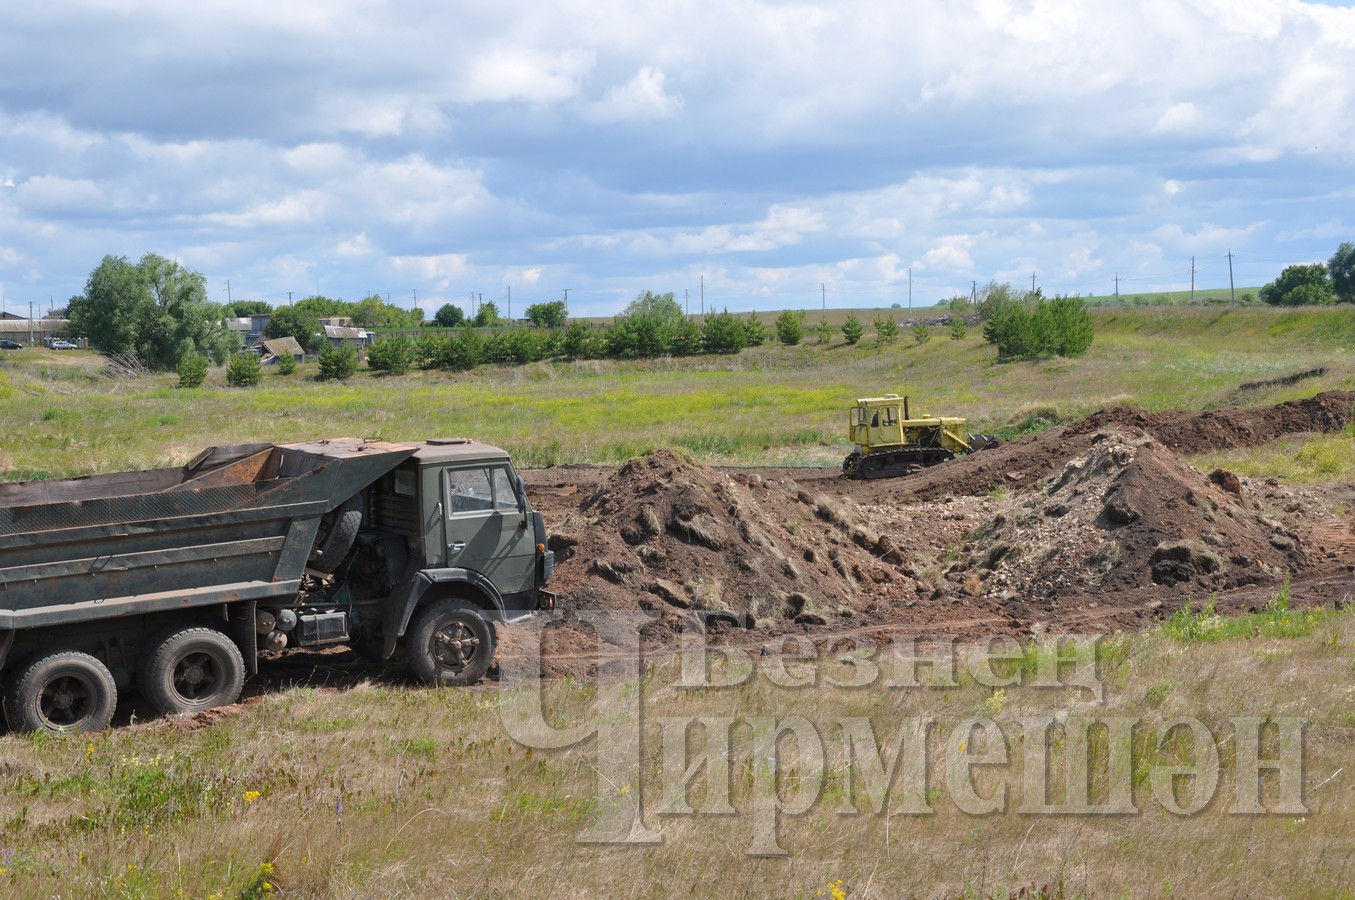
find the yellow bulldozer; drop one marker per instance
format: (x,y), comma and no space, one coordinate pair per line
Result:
(889,442)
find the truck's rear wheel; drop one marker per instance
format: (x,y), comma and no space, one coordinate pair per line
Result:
(451,643)
(191,669)
(61,692)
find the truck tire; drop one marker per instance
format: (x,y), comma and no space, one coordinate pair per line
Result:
(338,530)
(451,643)
(61,692)
(191,669)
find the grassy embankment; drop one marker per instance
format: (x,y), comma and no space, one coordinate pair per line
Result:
(770,405)
(390,790)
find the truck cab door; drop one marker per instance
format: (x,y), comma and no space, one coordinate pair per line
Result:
(487,529)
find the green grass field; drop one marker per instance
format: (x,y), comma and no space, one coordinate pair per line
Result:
(383,788)
(769,405)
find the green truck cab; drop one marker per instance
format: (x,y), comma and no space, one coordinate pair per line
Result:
(171,582)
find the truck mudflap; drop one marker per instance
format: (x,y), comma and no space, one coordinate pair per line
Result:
(404,600)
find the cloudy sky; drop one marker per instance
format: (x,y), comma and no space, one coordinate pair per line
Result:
(782,153)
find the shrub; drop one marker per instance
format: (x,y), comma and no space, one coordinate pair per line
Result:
(286,364)
(243,370)
(192,370)
(886,330)
(958,329)
(754,331)
(338,362)
(686,337)
(723,333)
(391,354)
(1026,330)
(824,331)
(852,329)
(575,341)
(921,333)
(790,327)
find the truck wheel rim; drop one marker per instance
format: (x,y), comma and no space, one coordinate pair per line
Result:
(197,676)
(66,700)
(454,646)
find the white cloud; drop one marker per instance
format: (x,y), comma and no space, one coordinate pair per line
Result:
(355,247)
(47,192)
(525,73)
(950,255)
(440,269)
(643,97)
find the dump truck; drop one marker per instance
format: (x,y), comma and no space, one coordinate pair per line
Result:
(171,582)
(888,441)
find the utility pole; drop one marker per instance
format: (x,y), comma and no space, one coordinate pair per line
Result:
(1232,291)
(416,298)
(703,295)
(823,292)
(30,323)
(974,293)
(228,290)
(1192,279)
(1032,282)
(686,303)
(1117,285)
(510,303)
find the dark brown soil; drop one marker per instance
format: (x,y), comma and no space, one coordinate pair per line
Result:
(1100,525)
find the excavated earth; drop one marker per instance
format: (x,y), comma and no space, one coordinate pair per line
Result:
(1097,525)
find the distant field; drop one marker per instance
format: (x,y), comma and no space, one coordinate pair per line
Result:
(773,404)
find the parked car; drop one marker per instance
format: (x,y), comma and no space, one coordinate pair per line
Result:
(63,345)
(11,345)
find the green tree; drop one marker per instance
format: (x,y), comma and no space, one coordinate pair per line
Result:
(723,333)
(449,315)
(1341,271)
(286,364)
(1072,326)
(663,307)
(824,331)
(298,322)
(886,330)
(686,337)
(373,312)
(995,296)
(487,316)
(575,342)
(154,310)
(192,370)
(790,327)
(754,332)
(337,362)
(323,307)
(243,370)
(958,329)
(921,333)
(391,354)
(548,315)
(1300,286)
(241,308)
(852,329)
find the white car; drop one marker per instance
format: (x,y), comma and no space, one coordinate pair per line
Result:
(63,345)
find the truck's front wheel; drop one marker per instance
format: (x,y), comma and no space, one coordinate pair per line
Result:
(191,669)
(451,643)
(61,692)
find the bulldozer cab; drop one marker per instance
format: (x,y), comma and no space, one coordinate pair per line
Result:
(877,422)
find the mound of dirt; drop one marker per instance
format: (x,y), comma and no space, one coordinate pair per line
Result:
(1019,464)
(1125,515)
(671,535)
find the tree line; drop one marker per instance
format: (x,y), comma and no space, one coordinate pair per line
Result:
(1315,284)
